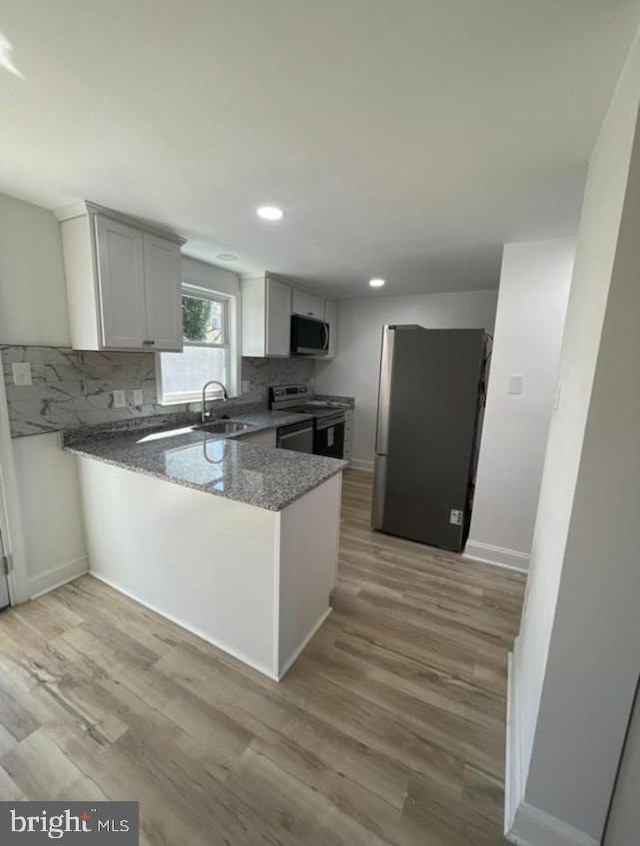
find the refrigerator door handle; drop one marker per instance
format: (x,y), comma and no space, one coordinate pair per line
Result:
(384,390)
(379,485)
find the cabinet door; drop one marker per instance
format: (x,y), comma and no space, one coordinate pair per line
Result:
(308,304)
(163,294)
(120,259)
(278,318)
(331,317)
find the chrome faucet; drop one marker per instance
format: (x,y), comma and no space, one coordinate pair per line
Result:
(225,396)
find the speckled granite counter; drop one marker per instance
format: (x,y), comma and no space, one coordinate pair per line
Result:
(222,466)
(347,402)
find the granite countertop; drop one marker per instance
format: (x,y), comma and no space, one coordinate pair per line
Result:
(222,466)
(347,402)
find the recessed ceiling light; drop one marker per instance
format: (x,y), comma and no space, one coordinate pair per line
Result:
(6,59)
(227,257)
(376,283)
(270,213)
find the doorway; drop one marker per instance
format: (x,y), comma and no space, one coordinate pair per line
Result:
(4,581)
(5,600)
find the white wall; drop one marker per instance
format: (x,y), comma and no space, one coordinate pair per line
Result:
(532,304)
(576,661)
(51,512)
(33,310)
(354,370)
(624,822)
(33,297)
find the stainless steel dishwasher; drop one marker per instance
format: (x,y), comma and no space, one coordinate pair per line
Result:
(296,436)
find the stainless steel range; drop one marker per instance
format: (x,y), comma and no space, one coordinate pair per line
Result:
(329,416)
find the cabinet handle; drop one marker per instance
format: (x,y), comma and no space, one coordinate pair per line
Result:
(148,343)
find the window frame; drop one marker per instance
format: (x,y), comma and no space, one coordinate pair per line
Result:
(191,289)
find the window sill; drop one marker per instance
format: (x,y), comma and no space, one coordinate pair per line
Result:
(187,399)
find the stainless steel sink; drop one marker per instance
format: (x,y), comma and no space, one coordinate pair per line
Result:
(224,427)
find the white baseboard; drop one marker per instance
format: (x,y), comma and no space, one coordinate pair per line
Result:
(361,464)
(498,555)
(57,576)
(533,827)
(524,824)
(218,644)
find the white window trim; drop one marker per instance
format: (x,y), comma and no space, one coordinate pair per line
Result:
(232,340)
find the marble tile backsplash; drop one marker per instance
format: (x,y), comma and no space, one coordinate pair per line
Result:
(72,388)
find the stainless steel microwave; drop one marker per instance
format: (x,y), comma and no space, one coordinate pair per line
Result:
(309,336)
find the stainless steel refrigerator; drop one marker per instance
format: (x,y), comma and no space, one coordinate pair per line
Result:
(430,402)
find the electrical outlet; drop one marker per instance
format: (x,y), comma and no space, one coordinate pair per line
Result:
(246,386)
(455,517)
(515,385)
(119,399)
(137,397)
(22,373)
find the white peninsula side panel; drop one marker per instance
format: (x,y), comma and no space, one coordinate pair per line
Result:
(253,582)
(205,562)
(309,535)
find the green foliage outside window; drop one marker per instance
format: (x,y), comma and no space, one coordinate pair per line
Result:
(196,318)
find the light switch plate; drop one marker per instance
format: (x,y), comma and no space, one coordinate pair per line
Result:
(119,399)
(22,373)
(515,385)
(137,397)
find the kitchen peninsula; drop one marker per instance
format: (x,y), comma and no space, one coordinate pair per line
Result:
(235,542)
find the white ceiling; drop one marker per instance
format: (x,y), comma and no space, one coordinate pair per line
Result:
(404,138)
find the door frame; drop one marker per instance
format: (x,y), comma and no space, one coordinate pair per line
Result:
(10,520)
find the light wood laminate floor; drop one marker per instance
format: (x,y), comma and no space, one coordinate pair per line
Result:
(389,729)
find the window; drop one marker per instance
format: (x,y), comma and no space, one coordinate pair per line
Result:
(207,354)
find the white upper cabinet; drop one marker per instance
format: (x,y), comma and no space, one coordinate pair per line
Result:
(267,306)
(123,281)
(331,317)
(266,316)
(162,294)
(120,259)
(307,304)
(278,326)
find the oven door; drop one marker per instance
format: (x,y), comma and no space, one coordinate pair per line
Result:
(329,438)
(309,336)
(298,437)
